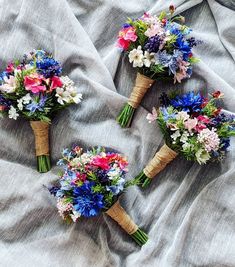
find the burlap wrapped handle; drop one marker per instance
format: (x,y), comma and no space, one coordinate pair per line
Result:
(164,156)
(142,84)
(117,213)
(41,133)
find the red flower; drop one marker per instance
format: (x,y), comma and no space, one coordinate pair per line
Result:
(55,82)
(217,111)
(103,163)
(10,67)
(217,94)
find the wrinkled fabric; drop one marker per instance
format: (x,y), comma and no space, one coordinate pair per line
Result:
(188,211)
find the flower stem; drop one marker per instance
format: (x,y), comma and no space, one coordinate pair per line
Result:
(143,180)
(140,237)
(126,115)
(43,163)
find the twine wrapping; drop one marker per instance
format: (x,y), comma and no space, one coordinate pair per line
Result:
(142,84)
(117,213)
(164,156)
(41,133)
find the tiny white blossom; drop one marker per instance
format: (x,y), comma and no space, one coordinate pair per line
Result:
(175,135)
(68,93)
(12,113)
(202,156)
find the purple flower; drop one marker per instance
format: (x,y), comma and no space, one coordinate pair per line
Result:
(153,43)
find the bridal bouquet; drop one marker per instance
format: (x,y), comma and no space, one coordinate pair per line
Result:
(193,127)
(158,47)
(34,89)
(92,183)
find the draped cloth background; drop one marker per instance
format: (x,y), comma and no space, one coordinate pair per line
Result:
(188,211)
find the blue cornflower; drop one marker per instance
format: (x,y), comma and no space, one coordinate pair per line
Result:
(224,144)
(86,202)
(35,105)
(189,102)
(48,67)
(118,188)
(168,60)
(184,47)
(153,43)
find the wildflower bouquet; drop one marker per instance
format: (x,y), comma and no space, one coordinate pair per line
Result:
(158,47)
(194,127)
(35,90)
(91,183)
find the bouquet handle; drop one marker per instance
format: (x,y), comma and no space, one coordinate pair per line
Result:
(142,84)
(41,133)
(118,214)
(158,163)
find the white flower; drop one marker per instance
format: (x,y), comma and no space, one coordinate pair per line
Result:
(148,58)
(202,156)
(184,137)
(175,135)
(186,146)
(9,86)
(182,115)
(75,215)
(136,56)
(12,113)
(23,101)
(68,93)
(20,104)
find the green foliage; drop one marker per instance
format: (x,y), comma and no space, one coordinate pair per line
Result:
(194,60)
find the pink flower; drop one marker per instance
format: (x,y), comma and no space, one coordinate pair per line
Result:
(153,30)
(55,82)
(125,36)
(33,83)
(103,163)
(151,117)
(203,119)
(10,67)
(190,124)
(209,138)
(182,73)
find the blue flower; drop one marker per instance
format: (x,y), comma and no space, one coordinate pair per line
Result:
(166,115)
(2,76)
(168,60)
(48,67)
(184,47)
(189,102)
(35,105)
(224,144)
(53,189)
(86,202)
(118,188)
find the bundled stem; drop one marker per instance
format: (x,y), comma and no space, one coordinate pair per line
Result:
(117,213)
(41,133)
(142,84)
(163,157)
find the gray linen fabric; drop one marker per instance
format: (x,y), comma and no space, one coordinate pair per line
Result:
(188,211)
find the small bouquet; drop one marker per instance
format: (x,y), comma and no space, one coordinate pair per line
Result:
(91,183)
(159,48)
(194,127)
(34,89)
